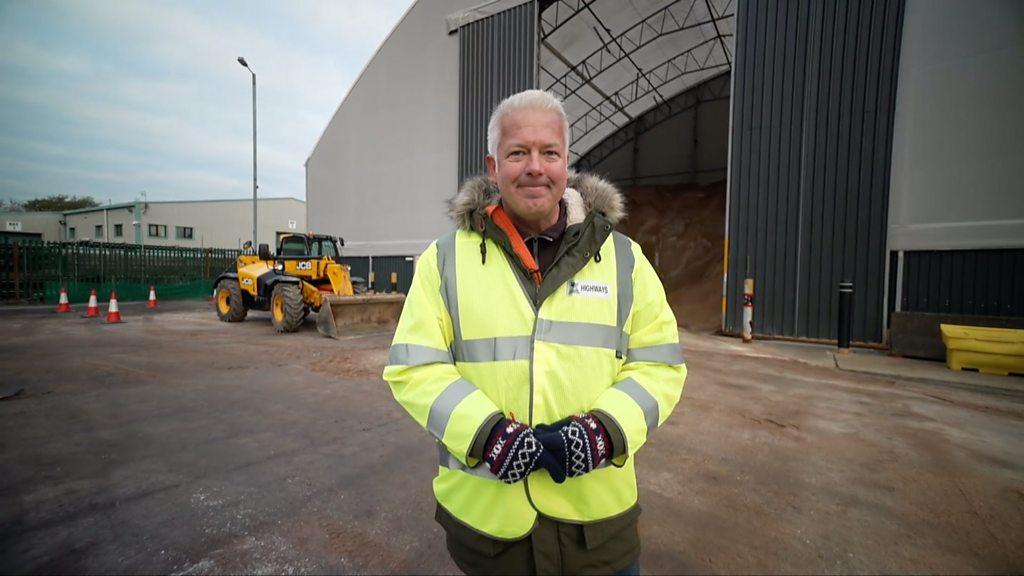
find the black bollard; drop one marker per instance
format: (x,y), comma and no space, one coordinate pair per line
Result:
(845,313)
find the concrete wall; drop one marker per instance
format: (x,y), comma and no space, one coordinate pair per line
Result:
(45,223)
(387,161)
(959,133)
(214,223)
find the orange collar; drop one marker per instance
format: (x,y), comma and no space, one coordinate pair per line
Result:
(497,213)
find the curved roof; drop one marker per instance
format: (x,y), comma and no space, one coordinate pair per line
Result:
(612,60)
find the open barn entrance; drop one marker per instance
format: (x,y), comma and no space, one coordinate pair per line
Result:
(671,165)
(646,86)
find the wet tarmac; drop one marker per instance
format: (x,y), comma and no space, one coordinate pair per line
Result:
(174,443)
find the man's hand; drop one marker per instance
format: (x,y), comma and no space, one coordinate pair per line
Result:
(513,452)
(578,444)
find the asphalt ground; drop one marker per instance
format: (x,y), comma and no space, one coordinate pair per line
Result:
(174,443)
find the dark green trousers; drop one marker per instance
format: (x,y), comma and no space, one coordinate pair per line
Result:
(604,547)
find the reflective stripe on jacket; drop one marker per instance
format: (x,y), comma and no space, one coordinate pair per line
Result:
(470,344)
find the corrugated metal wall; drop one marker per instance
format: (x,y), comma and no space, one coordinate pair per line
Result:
(359,266)
(977,282)
(497,58)
(382,266)
(813,101)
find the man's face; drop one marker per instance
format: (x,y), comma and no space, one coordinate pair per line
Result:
(531,168)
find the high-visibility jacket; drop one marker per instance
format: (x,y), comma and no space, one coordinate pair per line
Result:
(477,339)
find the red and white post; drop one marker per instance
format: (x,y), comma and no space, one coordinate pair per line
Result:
(748,309)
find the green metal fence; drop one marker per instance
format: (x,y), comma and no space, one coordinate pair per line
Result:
(34,271)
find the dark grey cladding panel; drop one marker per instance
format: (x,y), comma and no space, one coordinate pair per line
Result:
(383,266)
(497,58)
(972,282)
(359,266)
(813,102)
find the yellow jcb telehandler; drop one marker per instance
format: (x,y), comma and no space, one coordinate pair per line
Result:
(305,275)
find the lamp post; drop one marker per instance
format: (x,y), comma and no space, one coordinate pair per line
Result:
(242,61)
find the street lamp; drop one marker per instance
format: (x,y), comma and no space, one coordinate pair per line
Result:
(242,61)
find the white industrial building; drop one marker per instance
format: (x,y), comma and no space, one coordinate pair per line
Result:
(191,223)
(31,225)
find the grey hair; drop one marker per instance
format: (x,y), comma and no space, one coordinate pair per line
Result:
(527,99)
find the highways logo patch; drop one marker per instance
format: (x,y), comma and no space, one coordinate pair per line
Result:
(589,288)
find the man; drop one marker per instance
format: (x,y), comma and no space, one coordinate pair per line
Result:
(537,347)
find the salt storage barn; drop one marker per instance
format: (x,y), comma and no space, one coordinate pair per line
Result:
(795,143)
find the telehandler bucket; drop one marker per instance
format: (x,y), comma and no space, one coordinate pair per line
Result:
(339,313)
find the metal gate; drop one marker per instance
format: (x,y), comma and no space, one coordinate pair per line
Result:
(812,117)
(33,271)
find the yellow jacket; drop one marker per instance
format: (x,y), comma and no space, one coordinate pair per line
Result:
(477,339)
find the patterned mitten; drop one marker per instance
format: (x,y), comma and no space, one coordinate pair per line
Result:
(512,451)
(578,443)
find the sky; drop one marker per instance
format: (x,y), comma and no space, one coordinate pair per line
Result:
(113,99)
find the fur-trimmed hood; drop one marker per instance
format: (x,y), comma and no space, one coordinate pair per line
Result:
(584,194)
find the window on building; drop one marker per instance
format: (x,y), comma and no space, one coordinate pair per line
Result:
(98,231)
(71,233)
(118,230)
(158,231)
(183,232)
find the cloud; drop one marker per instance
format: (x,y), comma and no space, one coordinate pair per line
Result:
(20,54)
(363,25)
(147,95)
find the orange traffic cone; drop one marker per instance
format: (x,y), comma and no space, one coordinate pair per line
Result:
(63,305)
(152,297)
(93,310)
(113,314)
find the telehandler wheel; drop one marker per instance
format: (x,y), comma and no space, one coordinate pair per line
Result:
(286,307)
(230,306)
